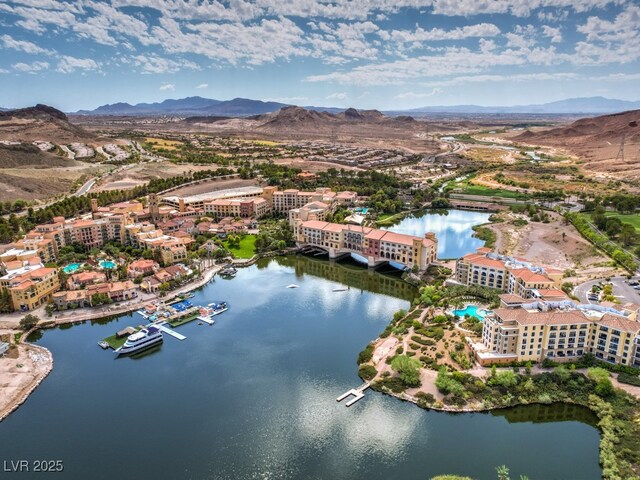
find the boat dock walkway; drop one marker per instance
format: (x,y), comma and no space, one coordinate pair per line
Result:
(206,320)
(357,393)
(168,331)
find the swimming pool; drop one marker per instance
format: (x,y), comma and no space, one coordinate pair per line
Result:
(72,267)
(108,264)
(472,311)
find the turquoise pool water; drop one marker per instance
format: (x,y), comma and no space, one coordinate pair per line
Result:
(72,267)
(472,311)
(108,264)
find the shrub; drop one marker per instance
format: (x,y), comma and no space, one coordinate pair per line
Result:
(629,379)
(395,384)
(422,341)
(367,372)
(365,355)
(447,385)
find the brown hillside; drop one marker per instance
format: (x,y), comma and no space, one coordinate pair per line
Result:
(597,142)
(27,155)
(41,123)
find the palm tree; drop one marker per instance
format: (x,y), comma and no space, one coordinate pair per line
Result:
(503,472)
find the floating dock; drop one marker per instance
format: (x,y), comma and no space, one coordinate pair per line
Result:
(206,320)
(357,393)
(168,331)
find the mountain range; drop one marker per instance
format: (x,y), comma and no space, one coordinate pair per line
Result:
(581,105)
(199,106)
(189,106)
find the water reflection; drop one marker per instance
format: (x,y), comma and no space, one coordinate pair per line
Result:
(254,397)
(453,228)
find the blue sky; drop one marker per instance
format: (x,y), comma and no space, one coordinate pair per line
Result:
(386,54)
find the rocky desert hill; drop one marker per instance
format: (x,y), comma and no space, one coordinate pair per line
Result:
(597,141)
(361,127)
(26,172)
(41,123)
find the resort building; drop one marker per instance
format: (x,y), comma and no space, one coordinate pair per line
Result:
(561,331)
(511,275)
(82,279)
(30,287)
(377,246)
(151,284)
(116,291)
(197,202)
(237,208)
(284,201)
(142,267)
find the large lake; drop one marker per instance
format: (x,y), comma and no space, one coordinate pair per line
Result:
(453,229)
(254,397)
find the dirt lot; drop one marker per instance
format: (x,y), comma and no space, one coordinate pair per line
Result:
(142,173)
(554,244)
(21,370)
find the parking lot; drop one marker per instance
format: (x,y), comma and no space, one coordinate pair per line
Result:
(622,290)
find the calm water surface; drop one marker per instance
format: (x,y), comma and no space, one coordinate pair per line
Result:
(452,228)
(253,397)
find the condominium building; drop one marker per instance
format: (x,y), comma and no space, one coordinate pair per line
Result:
(511,275)
(561,331)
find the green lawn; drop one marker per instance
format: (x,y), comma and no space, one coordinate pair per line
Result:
(469,189)
(631,219)
(247,248)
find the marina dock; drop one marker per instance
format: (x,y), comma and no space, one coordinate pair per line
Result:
(168,331)
(357,393)
(206,320)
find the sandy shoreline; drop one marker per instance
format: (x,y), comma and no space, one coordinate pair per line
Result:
(21,375)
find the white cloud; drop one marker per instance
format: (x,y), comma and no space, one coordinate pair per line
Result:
(554,34)
(337,96)
(68,64)
(167,86)
(524,77)
(203,85)
(436,34)
(30,67)
(156,64)
(415,96)
(23,46)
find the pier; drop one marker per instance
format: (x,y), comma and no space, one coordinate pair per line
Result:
(357,393)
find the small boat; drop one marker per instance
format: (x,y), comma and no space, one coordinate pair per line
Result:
(218,308)
(145,338)
(339,289)
(104,345)
(229,272)
(293,285)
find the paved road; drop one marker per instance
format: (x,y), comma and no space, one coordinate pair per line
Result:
(621,290)
(85,188)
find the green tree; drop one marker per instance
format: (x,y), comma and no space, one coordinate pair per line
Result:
(408,368)
(28,321)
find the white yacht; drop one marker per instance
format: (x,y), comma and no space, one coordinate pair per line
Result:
(145,338)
